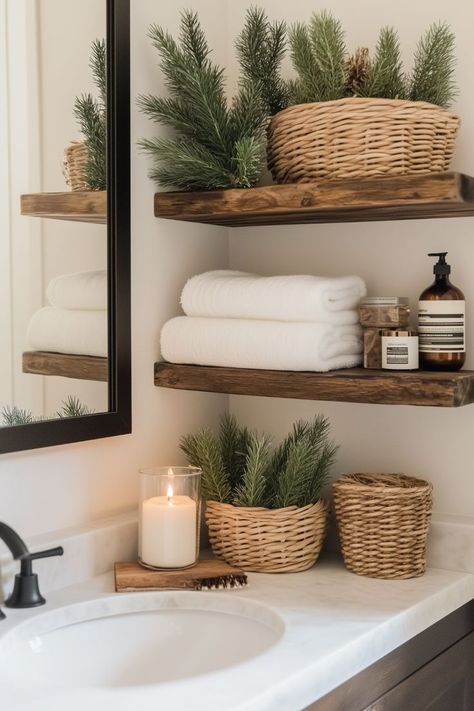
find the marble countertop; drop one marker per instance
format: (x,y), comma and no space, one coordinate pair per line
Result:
(336,624)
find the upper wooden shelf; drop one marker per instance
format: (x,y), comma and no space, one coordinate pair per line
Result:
(402,197)
(72,206)
(435,389)
(80,367)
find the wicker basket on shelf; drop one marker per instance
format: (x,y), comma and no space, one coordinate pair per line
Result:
(267,540)
(383,522)
(358,137)
(75,159)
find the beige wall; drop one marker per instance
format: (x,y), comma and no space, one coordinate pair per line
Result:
(70,485)
(391,256)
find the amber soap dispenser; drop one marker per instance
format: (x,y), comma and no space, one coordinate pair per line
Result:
(441,321)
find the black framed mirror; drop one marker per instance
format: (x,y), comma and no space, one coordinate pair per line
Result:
(65,356)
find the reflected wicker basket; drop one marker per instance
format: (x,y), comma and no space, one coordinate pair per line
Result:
(75,159)
(267,540)
(383,522)
(358,137)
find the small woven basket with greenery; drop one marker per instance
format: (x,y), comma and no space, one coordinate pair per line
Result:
(75,161)
(264,507)
(383,522)
(359,137)
(264,540)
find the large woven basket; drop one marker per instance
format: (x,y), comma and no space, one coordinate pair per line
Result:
(383,522)
(358,137)
(267,540)
(75,159)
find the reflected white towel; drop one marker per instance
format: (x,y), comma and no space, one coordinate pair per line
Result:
(68,331)
(272,345)
(231,294)
(82,290)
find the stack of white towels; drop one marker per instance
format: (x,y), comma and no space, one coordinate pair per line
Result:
(240,320)
(75,321)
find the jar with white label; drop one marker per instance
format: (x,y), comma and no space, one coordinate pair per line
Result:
(399,350)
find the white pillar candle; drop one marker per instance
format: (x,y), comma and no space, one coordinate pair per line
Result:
(169,530)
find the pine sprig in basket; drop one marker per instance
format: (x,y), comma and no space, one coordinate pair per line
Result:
(91,114)
(325,71)
(242,468)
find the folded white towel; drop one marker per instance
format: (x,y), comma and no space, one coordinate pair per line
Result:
(231,294)
(82,290)
(272,345)
(69,331)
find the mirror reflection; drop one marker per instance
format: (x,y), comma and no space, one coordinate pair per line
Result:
(53,210)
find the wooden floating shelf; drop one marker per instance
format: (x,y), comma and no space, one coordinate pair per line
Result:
(72,206)
(435,389)
(402,197)
(80,367)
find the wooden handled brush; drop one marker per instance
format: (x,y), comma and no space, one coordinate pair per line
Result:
(205,575)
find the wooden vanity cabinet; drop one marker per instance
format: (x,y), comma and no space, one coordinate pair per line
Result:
(434,671)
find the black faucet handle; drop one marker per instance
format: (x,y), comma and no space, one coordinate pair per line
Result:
(26,591)
(50,553)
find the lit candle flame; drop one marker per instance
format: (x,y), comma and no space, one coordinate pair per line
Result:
(169,493)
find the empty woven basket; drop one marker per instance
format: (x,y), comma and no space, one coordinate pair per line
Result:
(267,540)
(358,137)
(75,159)
(383,522)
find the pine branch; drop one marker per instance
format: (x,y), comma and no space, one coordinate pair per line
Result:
(295,479)
(185,164)
(73,407)
(329,50)
(251,491)
(216,146)
(385,77)
(194,81)
(318,54)
(12,416)
(433,72)
(303,89)
(302,464)
(91,114)
(203,450)
(247,162)
(260,49)
(98,65)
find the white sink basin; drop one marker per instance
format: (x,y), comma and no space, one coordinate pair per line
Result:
(138,640)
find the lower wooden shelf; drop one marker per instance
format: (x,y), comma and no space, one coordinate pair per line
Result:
(435,389)
(80,367)
(71,206)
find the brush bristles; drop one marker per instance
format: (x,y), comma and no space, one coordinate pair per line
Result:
(222,582)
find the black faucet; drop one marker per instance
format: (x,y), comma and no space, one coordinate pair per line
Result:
(26,591)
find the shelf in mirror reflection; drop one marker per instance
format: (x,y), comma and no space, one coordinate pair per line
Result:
(73,206)
(80,367)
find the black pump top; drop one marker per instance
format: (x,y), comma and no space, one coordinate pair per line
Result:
(441,267)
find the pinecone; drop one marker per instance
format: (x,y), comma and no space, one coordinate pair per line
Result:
(357,69)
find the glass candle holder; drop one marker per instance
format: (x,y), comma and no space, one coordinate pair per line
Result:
(169,517)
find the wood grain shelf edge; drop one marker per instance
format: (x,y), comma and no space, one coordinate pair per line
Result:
(71,206)
(402,197)
(419,388)
(80,367)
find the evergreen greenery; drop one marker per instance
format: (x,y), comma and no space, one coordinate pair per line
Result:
(217,145)
(12,416)
(260,48)
(433,73)
(242,468)
(318,53)
(320,60)
(385,76)
(91,114)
